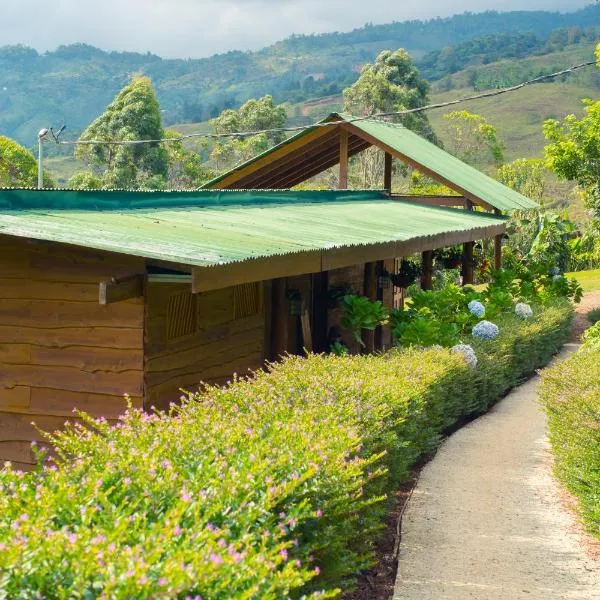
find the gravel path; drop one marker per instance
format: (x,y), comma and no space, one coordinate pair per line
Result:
(485,520)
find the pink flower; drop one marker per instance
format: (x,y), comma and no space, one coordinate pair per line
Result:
(186,496)
(162,582)
(283,553)
(215,559)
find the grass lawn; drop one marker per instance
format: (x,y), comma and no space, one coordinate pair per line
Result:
(589,280)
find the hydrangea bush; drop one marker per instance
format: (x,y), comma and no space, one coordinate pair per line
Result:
(467,353)
(486,330)
(476,308)
(523,310)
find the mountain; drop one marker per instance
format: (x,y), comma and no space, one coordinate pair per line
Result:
(73,84)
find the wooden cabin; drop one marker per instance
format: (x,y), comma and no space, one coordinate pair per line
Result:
(107,293)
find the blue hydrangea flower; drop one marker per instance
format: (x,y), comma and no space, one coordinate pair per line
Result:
(485,330)
(467,353)
(555,271)
(523,310)
(557,277)
(476,308)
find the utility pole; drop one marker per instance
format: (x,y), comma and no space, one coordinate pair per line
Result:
(41,135)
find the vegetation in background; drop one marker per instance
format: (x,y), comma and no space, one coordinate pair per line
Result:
(526,176)
(254,115)
(391,83)
(133,115)
(574,151)
(471,138)
(18,166)
(570,393)
(73,83)
(229,500)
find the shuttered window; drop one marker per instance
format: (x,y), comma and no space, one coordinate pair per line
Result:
(181,315)
(247,300)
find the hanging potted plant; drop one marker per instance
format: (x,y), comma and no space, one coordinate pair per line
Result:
(451,258)
(409,272)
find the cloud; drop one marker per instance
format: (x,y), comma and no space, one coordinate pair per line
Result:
(196,28)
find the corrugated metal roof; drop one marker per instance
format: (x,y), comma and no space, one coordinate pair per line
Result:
(207,228)
(321,151)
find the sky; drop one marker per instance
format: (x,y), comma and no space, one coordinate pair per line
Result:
(198,28)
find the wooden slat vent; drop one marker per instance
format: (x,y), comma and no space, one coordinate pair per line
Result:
(247,300)
(181,315)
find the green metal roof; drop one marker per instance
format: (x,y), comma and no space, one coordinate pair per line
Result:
(208,228)
(409,146)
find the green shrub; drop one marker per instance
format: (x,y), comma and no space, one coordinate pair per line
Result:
(570,393)
(594,315)
(246,490)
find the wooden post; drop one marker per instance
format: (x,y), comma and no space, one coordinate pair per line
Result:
(370,291)
(320,286)
(427,276)
(387,173)
(279,319)
(467,263)
(498,247)
(343,181)
(498,252)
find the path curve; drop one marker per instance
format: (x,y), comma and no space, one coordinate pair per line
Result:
(485,521)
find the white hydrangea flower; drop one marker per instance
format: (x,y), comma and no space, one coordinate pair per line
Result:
(476,308)
(467,352)
(555,271)
(523,310)
(486,330)
(557,277)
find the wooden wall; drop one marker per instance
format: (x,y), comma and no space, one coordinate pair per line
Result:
(198,338)
(59,348)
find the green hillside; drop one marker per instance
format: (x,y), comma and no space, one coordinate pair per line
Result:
(73,84)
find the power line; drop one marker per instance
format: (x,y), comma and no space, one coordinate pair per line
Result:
(299,128)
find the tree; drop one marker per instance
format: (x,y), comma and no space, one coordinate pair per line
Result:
(86,180)
(133,115)
(472,139)
(391,83)
(526,176)
(18,166)
(186,168)
(574,151)
(254,115)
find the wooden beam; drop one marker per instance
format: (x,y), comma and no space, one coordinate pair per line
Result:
(205,279)
(307,341)
(498,247)
(467,263)
(432,200)
(343,180)
(262,269)
(427,276)
(117,290)
(231,181)
(315,164)
(498,252)
(291,160)
(409,161)
(387,173)
(370,291)
(279,319)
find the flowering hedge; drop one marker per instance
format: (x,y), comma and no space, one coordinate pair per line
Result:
(570,393)
(270,488)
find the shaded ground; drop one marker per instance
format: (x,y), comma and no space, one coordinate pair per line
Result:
(580,323)
(486,520)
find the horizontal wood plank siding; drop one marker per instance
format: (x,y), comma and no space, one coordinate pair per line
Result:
(219,345)
(59,348)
